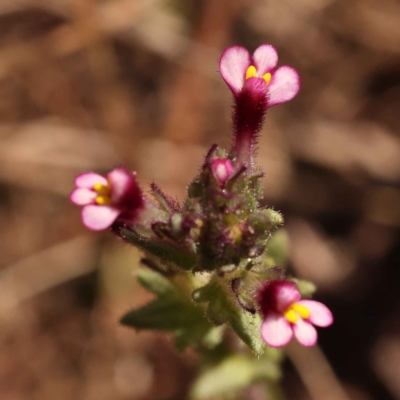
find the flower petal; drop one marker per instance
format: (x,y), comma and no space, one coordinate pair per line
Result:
(265,58)
(120,180)
(276,330)
(284,85)
(125,191)
(320,315)
(83,196)
(99,217)
(89,179)
(305,333)
(286,293)
(233,65)
(277,296)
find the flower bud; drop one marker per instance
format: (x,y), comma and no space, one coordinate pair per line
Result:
(222,170)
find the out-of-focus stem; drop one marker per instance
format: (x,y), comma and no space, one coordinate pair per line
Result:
(316,373)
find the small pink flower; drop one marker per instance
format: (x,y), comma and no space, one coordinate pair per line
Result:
(104,199)
(237,67)
(286,314)
(222,170)
(256,85)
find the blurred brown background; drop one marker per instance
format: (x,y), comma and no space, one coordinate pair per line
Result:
(88,85)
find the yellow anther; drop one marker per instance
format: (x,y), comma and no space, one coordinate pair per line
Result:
(199,222)
(303,311)
(101,189)
(291,315)
(235,233)
(103,199)
(267,77)
(251,72)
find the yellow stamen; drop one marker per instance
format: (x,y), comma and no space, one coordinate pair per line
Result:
(303,311)
(101,189)
(267,77)
(291,315)
(294,311)
(103,199)
(251,72)
(235,233)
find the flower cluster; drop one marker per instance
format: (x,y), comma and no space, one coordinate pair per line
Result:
(221,228)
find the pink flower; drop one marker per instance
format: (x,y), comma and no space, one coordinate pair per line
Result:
(286,314)
(222,170)
(237,67)
(104,199)
(256,85)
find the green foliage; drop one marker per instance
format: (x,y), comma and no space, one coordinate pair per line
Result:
(156,283)
(274,216)
(199,333)
(306,288)
(172,310)
(277,249)
(233,373)
(223,307)
(167,252)
(161,314)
